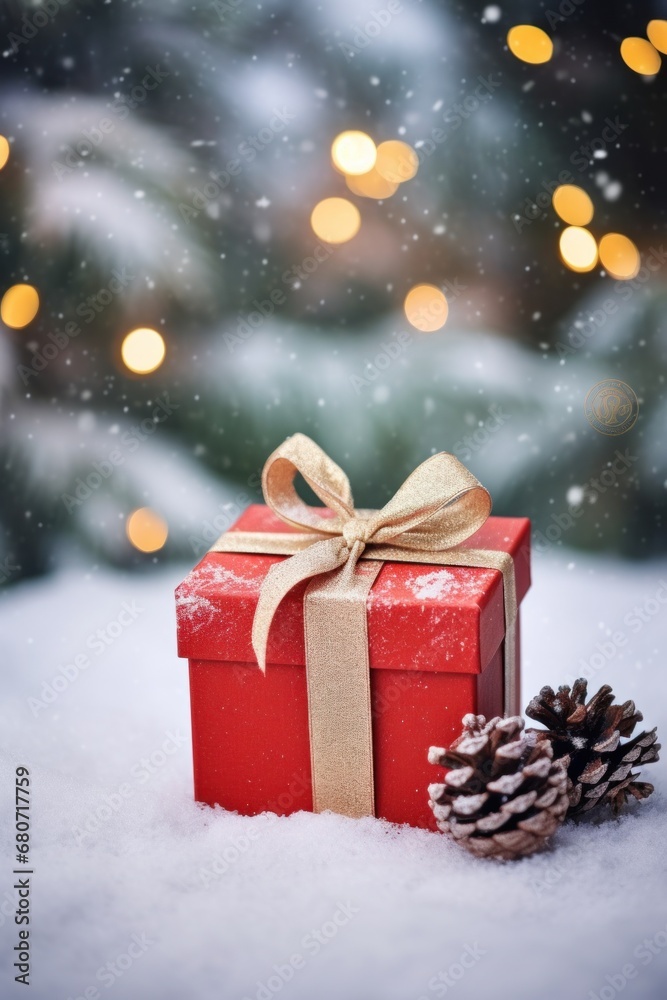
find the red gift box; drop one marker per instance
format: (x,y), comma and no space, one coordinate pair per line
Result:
(435,636)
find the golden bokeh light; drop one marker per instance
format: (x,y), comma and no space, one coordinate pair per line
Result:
(335,220)
(573,205)
(19,306)
(578,249)
(530,44)
(619,256)
(657,35)
(371,185)
(353,153)
(640,56)
(146,530)
(426,308)
(143,350)
(396,161)
(4,151)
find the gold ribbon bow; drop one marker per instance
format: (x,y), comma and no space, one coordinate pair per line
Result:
(439,505)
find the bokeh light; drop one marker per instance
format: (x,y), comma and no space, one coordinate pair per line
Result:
(657,35)
(640,56)
(335,220)
(573,205)
(426,308)
(578,249)
(396,161)
(146,530)
(4,151)
(19,306)
(143,350)
(530,44)
(619,256)
(353,153)
(371,185)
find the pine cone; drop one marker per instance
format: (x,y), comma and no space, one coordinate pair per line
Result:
(586,737)
(504,795)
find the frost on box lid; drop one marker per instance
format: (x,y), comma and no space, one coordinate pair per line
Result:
(420,617)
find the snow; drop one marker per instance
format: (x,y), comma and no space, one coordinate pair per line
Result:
(195,606)
(432,585)
(214,902)
(491,14)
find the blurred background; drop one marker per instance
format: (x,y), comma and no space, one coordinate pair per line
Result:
(161,164)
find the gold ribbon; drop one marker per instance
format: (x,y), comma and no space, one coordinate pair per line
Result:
(437,508)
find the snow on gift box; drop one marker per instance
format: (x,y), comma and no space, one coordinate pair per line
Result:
(330,647)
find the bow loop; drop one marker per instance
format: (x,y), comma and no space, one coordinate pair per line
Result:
(325,478)
(438,506)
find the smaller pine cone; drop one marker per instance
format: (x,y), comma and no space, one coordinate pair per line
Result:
(587,738)
(504,795)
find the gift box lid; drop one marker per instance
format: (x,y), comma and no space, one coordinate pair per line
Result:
(420,617)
